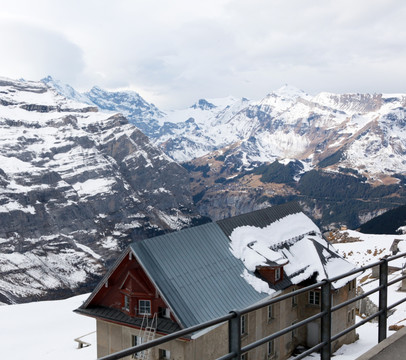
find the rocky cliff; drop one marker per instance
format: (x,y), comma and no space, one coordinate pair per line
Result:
(76,186)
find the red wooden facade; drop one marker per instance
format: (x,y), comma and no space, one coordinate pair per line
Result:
(272,274)
(128,287)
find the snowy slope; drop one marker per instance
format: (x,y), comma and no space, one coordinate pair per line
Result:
(77,185)
(364,249)
(52,326)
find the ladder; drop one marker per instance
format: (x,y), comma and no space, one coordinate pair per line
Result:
(147,333)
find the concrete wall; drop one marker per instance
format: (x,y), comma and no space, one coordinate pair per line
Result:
(112,338)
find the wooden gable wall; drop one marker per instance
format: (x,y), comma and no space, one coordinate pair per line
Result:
(128,279)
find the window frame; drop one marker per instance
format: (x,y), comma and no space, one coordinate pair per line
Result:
(293,333)
(164,354)
(294,299)
(126,302)
(314,297)
(243,324)
(270,312)
(277,274)
(270,348)
(144,307)
(135,340)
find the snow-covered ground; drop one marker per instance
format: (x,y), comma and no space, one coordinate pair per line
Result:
(46,331)
(368,337)
(372,248)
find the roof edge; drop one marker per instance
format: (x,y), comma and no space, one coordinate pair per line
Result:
(158,289)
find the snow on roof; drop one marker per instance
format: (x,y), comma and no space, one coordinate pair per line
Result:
(293,241)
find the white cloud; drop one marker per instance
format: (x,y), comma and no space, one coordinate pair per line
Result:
(174,52)
(31,52)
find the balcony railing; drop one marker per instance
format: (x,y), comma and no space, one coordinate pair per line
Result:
(325,314)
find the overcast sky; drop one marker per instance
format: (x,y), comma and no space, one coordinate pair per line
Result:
(174,52)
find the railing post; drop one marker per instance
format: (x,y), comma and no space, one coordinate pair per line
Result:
(383,300)
(326,320)
(234,335)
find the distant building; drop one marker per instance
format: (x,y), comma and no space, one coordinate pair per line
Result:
(191,276)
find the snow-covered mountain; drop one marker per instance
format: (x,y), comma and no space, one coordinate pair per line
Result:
(329,151)
(200,129)
(360,131)
(76,185)
(139,112)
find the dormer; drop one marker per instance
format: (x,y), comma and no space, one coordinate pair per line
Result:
(270,273)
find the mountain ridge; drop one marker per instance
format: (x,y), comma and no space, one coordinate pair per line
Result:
(233,149)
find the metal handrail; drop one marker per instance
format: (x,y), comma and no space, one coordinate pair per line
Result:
(234,317)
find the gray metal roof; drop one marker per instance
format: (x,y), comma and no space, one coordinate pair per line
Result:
(259,218)
(196,273)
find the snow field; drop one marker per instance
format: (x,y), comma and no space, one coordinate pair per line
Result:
(46,331)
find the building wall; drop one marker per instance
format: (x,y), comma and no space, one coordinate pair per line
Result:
(214,344)
(341,319)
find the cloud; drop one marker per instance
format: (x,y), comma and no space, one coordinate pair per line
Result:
(176,52)
(32,52)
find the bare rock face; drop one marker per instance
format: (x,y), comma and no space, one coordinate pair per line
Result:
(76,186)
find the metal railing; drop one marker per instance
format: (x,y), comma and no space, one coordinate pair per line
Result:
(325,314)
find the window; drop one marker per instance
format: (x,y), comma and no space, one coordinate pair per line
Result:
(294,300)
(351,315)
(294,332)
(135,340)
(351,285)
(277,274)
(164,354)
(164,312)
(243,324)
(314,297)
(270,348)
(244,356)
(270,312)
(144,307)
(126,303)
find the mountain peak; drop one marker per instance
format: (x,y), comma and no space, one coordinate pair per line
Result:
(65,90)
(47,79)
(289,91)
(203,104)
